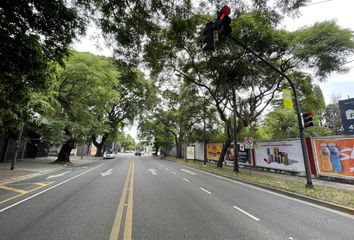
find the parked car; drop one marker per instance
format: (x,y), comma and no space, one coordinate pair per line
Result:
(108,155)
(137,153)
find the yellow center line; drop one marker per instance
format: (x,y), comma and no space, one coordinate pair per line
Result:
(129,213)
(118,218)
(14,189)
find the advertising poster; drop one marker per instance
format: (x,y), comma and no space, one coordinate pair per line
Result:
(242,153)
(214,151)
(283,155)
(347,112)
(190,152)
(93,150)
(287,99)
(334,156)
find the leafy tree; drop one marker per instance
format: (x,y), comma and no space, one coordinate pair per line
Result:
(332,116)
(152,130)
(81,91)
(136,95)
(235,79)
(33,36)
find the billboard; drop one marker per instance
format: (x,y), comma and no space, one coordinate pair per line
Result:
(190,152)
(214,151)
(282,155)
(334,156)
(242,153)
(346,108)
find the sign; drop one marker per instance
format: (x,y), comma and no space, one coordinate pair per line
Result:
(190,152)
(287,99)
(242,147)
(214,151)
(248,142)
(346,108)
(283,155)
(334,156)
(242,153)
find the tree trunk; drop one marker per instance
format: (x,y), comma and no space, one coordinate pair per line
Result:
(64,154)
(5,148)
(100,146)
(223,152)
(156,149)
(178,149)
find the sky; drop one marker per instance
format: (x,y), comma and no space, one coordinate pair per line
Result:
(318,10)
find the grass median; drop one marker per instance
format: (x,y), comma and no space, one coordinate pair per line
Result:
(328,194)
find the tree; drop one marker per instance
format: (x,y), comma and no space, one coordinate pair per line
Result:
(332,116)
(236,80)
(81,91)
(136,95)
(152,130)
(34,35)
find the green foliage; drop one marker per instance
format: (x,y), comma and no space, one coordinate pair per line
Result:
(281,124)
(323,47)
(33,35)
(82,90)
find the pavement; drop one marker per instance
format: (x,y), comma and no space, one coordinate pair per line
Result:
(315,181)
(30,167)
(140,197)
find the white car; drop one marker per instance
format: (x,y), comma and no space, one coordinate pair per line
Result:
(108,155)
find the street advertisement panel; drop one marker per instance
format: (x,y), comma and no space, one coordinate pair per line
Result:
(334,156)
(347,112)
(214,151)
(287,99)
(282,155)
(242,153)
(190,152)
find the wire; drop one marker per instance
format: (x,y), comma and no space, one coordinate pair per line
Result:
(315,3)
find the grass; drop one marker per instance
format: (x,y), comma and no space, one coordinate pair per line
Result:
(328,194)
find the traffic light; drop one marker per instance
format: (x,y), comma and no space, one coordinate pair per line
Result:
(209,41)
(307,117)
(223,23)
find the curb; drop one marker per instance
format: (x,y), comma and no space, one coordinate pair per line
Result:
(16,179)
(322,203)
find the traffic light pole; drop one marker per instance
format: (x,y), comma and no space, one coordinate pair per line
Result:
(297,109)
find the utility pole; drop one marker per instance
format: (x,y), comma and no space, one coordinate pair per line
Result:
(204,131)
(236,169)
(297,109)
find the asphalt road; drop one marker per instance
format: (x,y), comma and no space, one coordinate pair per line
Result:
(146,198)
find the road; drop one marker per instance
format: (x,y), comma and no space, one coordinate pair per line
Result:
(140,197)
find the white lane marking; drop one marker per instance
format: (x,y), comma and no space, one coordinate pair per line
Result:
(185,179)
(58,175)
(272,193)
(248,214)
(46,190)
(174,173)
(167,168)
(203,189)
(108,172)
(187,171)
(152,171)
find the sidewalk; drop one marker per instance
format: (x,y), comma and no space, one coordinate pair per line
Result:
(30,167)
(315,181)
(301,179)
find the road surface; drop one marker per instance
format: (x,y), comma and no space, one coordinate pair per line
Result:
(140,197)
